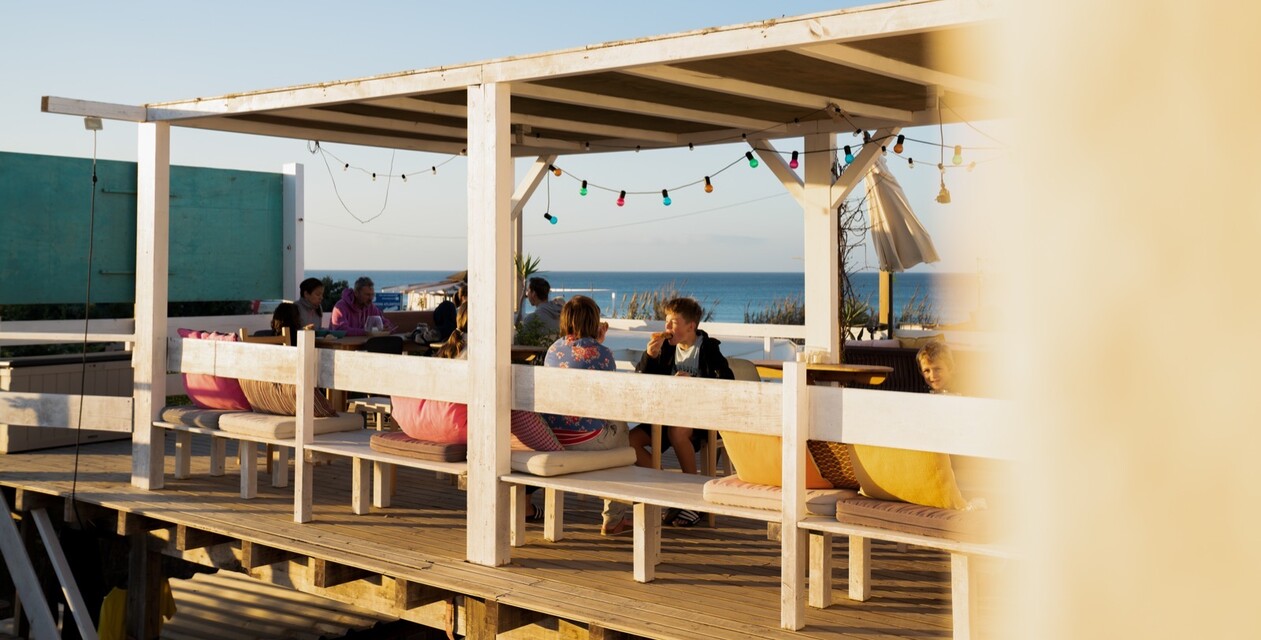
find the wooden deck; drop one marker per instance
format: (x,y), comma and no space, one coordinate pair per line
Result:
(712,583)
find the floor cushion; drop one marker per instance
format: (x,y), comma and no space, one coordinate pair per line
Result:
(557,463)
(734,492)
(401,444)
(951,524)
(191,416)
(213,392)
(264,425)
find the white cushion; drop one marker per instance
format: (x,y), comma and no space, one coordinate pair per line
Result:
(558,463)
(734,492)
(264,425)
(193,416)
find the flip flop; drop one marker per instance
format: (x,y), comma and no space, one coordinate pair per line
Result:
(668,516)
(537,516)
(685,518)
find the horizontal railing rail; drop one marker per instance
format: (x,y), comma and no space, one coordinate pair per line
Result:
(60,410)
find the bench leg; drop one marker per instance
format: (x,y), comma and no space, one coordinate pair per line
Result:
(279,459)
(248,453)
(518,500)
(382,484)
(655,432)
(647,530)
(218,453)
(360,484)
(820,595)
(267,456)
(961,596)
(183,454)
(859,568)
(553,515)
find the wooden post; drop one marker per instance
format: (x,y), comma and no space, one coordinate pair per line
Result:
(859,568)
(30,592)
(820,595)
(553,515)
(822,290)
(481,619)
(961,596)
(525,189)
(490,303)
(293,233)
(886,300)
(69,588)
(144,588)
(153,202)
(793,539)
(304,481)
(647,533)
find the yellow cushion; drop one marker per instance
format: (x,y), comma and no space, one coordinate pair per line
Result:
(758,459)
(919,342)
(917,477)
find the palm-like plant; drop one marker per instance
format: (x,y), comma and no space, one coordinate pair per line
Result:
(526,267)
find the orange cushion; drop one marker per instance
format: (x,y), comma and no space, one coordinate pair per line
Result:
(758,459)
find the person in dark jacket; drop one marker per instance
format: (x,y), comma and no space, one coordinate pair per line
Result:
(681,350)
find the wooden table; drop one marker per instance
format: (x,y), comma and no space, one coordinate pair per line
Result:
(822,372)
(355,343)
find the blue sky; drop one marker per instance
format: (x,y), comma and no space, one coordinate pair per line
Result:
(139,52)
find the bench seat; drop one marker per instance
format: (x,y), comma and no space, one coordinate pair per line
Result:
(357,445)
(731,490)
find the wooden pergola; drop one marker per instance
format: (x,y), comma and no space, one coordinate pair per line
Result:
(876,69)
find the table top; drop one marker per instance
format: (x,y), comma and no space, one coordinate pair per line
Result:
(355,343)
(828,372)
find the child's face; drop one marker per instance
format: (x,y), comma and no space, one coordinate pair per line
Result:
(936,374)
(680,329)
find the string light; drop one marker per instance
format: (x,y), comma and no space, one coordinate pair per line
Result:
(374,176)
(621,199)
(751,159)
(910,162)
(884,151)
(434,169)
(583,190)
(554,170)
(897,148)
(665,197)
(958,157)
(691,147)
(849,155)
(943,196)
(709,187)
(550,218)
(346,167)
(793,164)
(404,177)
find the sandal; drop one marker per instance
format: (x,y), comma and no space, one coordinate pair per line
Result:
(669,515)
(685,518)
(619,528)
(535,514)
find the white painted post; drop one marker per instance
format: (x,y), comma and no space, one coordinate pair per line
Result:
(304,384)
(490,302)
(553,515)
(820,570)
(153,203)
(961,596)
(793,539)
(822,290)
(859,568)
(294,233)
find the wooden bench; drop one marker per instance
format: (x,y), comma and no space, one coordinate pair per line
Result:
(356,445)
(247,455)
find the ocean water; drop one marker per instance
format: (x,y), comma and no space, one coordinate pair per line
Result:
(954,296)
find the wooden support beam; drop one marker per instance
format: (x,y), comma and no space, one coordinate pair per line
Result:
(822,280)
(107,110)
(481,619)
(775,162)
(254,555)
(511,618)
(304,469)
(859,568)
(820,579)
(144,588)
(22,570)
(793,540)
(134,523)
(553,515)
(153,203)
(856,58)
(69,588)
(60,410)
(27,500)
(639,107)
(596,632)
(409,595)
(961,601)
(187,538)
(326,573)
(857,170)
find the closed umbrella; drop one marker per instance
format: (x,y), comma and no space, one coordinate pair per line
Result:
(900,240)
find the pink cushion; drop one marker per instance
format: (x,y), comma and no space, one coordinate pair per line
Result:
(431,420)
(213,392)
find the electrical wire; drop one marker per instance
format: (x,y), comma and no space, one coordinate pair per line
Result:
(87,320)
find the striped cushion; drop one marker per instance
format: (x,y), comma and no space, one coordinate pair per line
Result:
(951,524)
(401,444)
(732,491)
(281,399)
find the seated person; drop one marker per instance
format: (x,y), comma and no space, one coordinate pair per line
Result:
(546,312)
(681,350)
(580,347)
(286,315)
(937,365)
(310,304)
(353,310)
(444,313)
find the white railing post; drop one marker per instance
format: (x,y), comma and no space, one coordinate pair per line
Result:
(294,231)
(153,189)
(822,279)
(793,540)
(304,386)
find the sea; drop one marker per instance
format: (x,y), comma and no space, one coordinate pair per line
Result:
(953,297)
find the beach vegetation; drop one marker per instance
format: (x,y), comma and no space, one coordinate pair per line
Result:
(789,309)
(650,305)
(920,310)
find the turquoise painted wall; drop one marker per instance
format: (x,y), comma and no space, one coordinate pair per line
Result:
(226,238)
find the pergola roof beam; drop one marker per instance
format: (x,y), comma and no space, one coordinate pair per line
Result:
(638,107)
(326,135)
(874,63)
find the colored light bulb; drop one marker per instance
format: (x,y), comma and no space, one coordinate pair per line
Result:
(793,164)
(943,196)
(621,199)
(583,190)
(849,155)
(752,160)
(971,166)
(550,218)
(897,148)
(958,159)
(665,197)
(709,187)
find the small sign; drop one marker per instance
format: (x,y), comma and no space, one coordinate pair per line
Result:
(389,301)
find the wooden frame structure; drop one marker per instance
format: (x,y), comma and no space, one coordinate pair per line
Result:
(875,69)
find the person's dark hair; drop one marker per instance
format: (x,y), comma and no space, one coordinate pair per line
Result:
(461,295)
(685,308)
(541,288)
(286,315)
(309,285)
(456,342)
(363,281)
(580,318)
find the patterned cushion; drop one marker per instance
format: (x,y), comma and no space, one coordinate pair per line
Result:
(401,444)
(281,399)
(213,392)
(952,524)
(834,463)
(733,491)
(262,425)
(193,416)
(557,463)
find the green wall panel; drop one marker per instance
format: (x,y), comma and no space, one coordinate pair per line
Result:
(226,238)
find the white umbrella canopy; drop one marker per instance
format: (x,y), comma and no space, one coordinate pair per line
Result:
(901,241)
